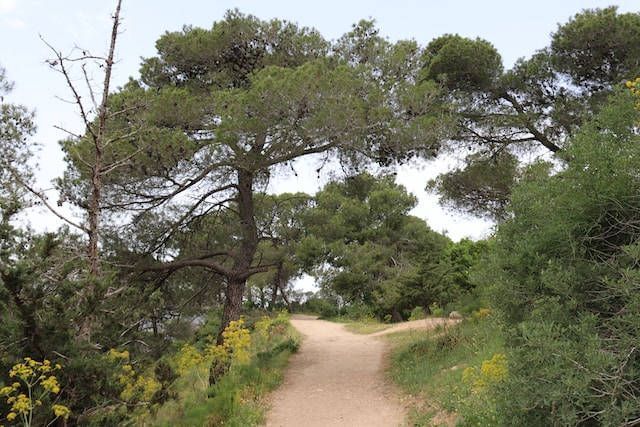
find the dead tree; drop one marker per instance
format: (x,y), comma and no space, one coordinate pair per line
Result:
(95,114)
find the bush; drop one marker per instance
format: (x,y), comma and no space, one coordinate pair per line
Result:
(417,314)
(325,308)
(359,312)
(564,277)
(433,366)
(436,310)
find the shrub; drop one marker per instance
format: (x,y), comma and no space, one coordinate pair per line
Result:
(326,309)
(240,372)
(490,373)
(360,312)
(564,276)
(417,314)
(436,310)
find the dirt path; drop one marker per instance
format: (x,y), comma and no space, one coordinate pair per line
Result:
(429,323)
(336,379)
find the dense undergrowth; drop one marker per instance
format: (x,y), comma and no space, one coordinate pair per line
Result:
(236,397)
(195,383)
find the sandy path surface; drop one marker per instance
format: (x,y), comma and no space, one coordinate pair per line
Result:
(336,379)
(429,323)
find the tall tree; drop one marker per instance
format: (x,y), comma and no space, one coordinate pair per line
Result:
(94,114)
(364,245)
(16,126)
(533,108)
(229,106)
(16,150)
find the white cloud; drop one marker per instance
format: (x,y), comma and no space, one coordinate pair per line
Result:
(15,23)
(7,6)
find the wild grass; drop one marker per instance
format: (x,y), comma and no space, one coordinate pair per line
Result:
(364,327)
(429,366)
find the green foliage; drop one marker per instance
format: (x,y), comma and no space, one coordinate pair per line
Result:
(417,314)
(540,103)
(324,307)
(446,280)
(598,47)
(436,310)
(482,187)
(431,366)
(461,63)
(237,397)
(358,311)
(16,150)
(563,274)
(366,247)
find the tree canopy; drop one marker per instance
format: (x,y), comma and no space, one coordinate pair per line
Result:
(535,107)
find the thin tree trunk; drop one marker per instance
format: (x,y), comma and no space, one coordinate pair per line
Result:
(93,230)
(274,295)
(277,279)
(284,296)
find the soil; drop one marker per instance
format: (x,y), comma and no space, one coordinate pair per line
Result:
(337,379)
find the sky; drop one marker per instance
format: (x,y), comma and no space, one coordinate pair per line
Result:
(516,28)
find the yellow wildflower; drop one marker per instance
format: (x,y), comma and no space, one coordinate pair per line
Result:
(11,416)
(148,387)
(5,391)
(481,313)
(215,352)
(115,354)
(491,372)
(21,370)
(22,404)
(237,341)
(51,384)
(61,411)
(188,357)
(262,326)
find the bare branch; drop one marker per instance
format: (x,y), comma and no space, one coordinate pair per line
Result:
(45,201)
(89,87)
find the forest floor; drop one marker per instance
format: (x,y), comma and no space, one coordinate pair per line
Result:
(337,378)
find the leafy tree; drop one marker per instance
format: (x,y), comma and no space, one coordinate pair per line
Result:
(564,276)
(252,97)
(365,245)
(16,151)
(16,126)
(535,107)
(445,278)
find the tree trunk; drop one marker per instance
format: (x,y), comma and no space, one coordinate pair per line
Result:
(284,296)
(277,279)
(232,305)
(93,254)
(94,215)
(95,203)
(236,282)
(274,296)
